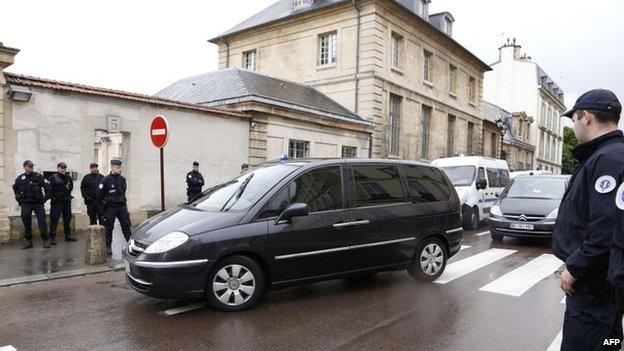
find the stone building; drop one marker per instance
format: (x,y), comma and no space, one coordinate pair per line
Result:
(390,62)
(79,124)
(288,118)
(517,148)
(516,83)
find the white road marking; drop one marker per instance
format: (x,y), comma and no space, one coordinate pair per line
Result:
(159,132)
(468,265)
(556,344)
(183,309)
(482,233)
(7,348)
(518,281)
(464,247)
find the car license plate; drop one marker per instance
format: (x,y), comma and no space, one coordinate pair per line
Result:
(522,226)
(127,266)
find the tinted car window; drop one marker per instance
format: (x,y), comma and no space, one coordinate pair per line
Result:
(481,174)
(377,185)
(492,178)
(426,184)
(320,189)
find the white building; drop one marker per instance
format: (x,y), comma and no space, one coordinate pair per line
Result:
(516,83)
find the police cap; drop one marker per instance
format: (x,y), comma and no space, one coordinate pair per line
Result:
(116,162)
(597,99)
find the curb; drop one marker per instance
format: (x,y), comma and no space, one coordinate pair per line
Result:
(60,275)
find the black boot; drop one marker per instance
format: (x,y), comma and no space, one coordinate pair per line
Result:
(70,237)
(28,245)
(53,241)
(109,250)
(46,244)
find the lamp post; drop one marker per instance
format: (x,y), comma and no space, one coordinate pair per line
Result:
(502,127)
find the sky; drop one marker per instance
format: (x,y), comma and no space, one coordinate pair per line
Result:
(143,46)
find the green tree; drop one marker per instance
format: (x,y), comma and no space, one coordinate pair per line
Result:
(569,143)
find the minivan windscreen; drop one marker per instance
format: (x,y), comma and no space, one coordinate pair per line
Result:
(460,175)
(535,188)
(241,193)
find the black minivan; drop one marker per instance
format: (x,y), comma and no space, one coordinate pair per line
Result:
(298,221)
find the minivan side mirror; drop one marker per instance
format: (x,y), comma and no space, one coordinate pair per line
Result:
(297,209)
(481,184)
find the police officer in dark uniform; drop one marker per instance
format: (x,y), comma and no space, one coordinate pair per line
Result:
(586,222)
(112,192)
(89,190)
(194,182)
(31,192)
(62,186)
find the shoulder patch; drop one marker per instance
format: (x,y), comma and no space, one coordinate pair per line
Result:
(619,198)
(23,177)
(190,176)
(605,184)
(101,186)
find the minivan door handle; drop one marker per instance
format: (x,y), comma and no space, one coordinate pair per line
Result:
(351,224)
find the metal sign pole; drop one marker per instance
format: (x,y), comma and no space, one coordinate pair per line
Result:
(162,179)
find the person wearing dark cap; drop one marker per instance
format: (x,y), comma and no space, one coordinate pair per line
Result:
(89,191)
(62,186)
(31,192)
(112,192)
(244,168)
(194,182)
(586,223)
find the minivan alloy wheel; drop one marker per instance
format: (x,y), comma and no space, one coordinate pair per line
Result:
(234,285)
(432,259)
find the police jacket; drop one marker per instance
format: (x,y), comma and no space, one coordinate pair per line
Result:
(194,181)
(31,187)
(112,190)
(616,264)
(586,219)
(62,186)
(89,186)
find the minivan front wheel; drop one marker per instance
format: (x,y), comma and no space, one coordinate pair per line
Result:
(429,261)
(235,284)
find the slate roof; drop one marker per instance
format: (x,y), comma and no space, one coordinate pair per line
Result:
(234,84)
(494,112)
(545,81)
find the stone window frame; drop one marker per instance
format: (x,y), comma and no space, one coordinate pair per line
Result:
(451,121)
(470,131)
(250,60)
(349,151)
(298,149)
(452,79)
(428,66)
(328,48)
(394,124)
(472,89)
(426,113)
(396,50)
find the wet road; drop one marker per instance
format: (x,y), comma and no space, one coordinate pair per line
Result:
(492,297)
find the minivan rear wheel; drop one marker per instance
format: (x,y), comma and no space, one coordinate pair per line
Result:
(235,284)
(430,260)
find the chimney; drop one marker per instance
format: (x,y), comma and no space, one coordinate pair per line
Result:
(510,50)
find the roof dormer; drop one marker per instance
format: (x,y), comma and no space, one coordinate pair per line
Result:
(299,4)
(443,22)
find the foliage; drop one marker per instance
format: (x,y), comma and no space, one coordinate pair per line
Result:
(569,143)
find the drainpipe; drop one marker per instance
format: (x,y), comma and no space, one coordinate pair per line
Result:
(357,55)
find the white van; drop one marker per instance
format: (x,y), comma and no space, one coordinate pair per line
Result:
(478,182)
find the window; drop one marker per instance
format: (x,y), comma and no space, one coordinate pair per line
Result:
(320,189)
(427,66)
(396,50)
(449,26)
(472,89)
(425,121)
(452,79)
(503,177)
(469,139)
(377,185)
(450,136)
(249,60)
(543,114)
(426,184)
(492,178)
(493,146)
(349,152)
(481,174)
(327,50)
(394,125)
(298,149)
(541,148)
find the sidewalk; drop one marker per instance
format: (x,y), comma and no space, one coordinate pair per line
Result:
(66,259)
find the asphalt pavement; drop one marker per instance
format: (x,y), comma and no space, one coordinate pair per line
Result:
(492,296)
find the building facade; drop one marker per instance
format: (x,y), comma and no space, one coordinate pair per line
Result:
(390,62)
(516,83)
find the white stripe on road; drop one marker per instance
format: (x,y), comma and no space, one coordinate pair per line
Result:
(482,233)
(556,344)
(468,265)
(183,309)
(159,132)
(464,247)
(7,348)
(518,281)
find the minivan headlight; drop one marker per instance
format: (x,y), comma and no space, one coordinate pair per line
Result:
(167,242)
(496,211)
(553,215)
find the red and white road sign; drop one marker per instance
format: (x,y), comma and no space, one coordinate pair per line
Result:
(159,131)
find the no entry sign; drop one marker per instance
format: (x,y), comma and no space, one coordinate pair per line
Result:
(159,131)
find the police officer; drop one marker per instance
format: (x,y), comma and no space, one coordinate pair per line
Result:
(62,186)
(31,192)
(89,191)
(194,182)
(112,192)
(244,168)
(586,221)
